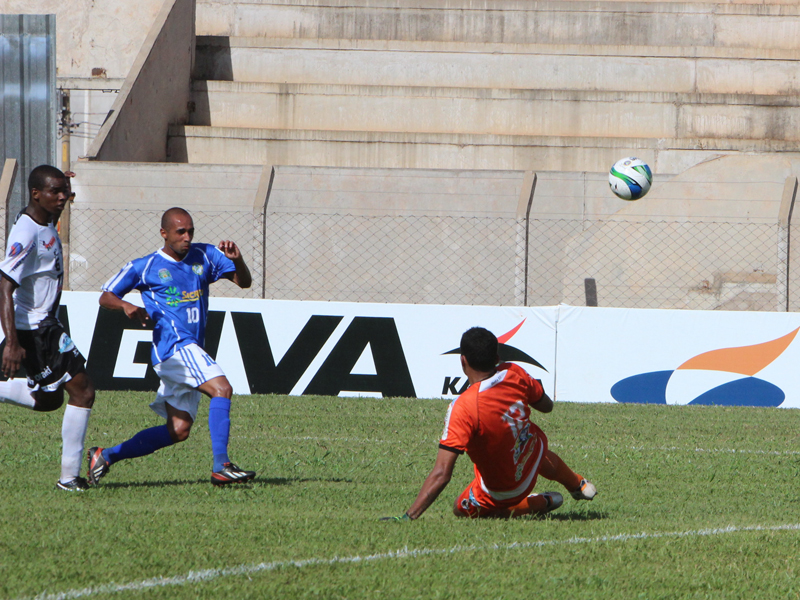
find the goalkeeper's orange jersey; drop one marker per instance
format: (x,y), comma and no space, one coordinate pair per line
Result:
(491,423)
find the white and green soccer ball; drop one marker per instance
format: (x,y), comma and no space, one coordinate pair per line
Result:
(630,178)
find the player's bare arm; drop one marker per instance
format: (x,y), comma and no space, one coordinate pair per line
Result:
(111,301)
(436,481)
(242,276)
(13,352)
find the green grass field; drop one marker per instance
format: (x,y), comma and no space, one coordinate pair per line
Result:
(693,503)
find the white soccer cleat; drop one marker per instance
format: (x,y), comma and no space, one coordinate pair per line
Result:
(587,491)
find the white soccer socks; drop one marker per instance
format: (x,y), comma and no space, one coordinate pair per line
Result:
(16,392)
(73,432)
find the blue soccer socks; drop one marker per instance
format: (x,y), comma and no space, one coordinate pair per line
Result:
(219,426)
(145,442)
(148,441)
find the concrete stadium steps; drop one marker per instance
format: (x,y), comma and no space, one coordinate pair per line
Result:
(511,21)
(491,84)
(230,145)
(702,70)
(495,112)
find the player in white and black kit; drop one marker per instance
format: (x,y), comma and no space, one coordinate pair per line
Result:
(31,275)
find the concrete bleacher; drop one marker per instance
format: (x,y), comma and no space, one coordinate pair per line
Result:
(552,86)
(654,23)
(323,93)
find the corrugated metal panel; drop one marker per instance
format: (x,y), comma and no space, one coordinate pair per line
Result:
(27,96)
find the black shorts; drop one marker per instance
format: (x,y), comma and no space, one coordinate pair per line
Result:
(51,358)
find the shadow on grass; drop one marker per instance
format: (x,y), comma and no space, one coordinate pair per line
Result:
(293,480)
(272,481)
(589,515)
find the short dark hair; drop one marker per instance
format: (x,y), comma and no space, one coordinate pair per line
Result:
(37,180)
(479,347)
(166,218)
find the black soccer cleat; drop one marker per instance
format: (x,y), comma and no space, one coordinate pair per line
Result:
(79,484)
(230,473)
(98,466)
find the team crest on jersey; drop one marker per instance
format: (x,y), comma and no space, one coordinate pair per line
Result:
(197,269)
(50,244)
(65,344)
(164,275)
(15,249)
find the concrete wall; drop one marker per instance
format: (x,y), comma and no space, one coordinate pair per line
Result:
(449,151)
(117,212)
(89,108)
(156,91)
(410,236)
(93,34)
(510,66)
(498,111)
(330,234)
(707,239)
(97,42)
(509,21)
(711,238)
(386,103)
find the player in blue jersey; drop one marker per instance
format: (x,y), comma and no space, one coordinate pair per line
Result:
(174,284)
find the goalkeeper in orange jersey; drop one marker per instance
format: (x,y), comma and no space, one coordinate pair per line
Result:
(491,423)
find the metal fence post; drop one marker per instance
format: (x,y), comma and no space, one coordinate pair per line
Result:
(523,220)
(260,220)
(784,244)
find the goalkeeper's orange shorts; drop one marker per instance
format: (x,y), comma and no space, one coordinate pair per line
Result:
(475,501)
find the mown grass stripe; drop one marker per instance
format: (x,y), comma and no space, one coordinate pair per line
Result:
(356,440)
(211,574)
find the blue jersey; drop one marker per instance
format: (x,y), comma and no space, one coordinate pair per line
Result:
(175,294)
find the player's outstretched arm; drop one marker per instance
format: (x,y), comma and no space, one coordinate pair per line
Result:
(111,301)
(436,481)
(13,352)
(242,276)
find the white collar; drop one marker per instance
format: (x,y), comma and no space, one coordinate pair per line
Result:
(169,258)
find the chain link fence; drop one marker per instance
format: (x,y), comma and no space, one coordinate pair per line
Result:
(684,265)
(467,260)
(102,241)
(399,259)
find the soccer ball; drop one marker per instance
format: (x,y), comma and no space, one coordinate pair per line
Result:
(630,178)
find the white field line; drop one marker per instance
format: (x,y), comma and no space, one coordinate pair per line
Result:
(727,451)
(312,438)
(355,440)
(209,574)
(679,449)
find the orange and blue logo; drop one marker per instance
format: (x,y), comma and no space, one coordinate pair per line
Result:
(732,373)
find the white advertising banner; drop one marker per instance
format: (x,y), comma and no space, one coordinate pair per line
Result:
(350,349)
(678,357)
(322,348)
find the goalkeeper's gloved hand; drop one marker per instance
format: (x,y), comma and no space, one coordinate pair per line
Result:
(405,517)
